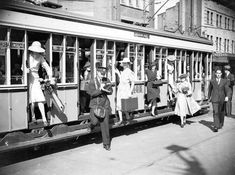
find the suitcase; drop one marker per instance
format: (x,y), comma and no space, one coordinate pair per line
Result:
(129,104)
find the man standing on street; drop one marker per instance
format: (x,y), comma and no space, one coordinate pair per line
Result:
(218,93)
(230,78)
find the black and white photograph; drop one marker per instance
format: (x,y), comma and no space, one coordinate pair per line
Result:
(117,87)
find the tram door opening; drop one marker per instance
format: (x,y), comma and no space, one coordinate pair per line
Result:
(86,56)
(148,59)
(44,40)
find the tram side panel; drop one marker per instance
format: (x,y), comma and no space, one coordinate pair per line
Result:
(13,111)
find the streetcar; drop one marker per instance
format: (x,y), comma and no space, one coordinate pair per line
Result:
(70,40)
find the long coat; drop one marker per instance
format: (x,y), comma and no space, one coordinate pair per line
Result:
(153,90)
(218,92)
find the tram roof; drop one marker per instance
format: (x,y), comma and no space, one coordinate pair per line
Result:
(25,7)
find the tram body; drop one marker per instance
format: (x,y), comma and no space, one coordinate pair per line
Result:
(71,40)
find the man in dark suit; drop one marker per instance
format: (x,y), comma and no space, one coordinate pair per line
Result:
(230,78)
(98,89)
(218,93)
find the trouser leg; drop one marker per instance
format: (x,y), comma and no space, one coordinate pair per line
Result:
(228,107)
(216,114)
(221,114)
(104,125)
(93,119)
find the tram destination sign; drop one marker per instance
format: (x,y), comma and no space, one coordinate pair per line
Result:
(142,35)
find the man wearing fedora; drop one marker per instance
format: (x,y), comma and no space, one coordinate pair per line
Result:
(230,78)
(98,89)
(218,93)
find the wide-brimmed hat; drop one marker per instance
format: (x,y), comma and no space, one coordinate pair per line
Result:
(36,47)
(227,67)
(183,76)
(171,58)
(125,60)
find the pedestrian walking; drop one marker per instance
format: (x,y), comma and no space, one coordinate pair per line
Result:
(153,90)
(230,78)
(218,92)
(100,110)
(185,104)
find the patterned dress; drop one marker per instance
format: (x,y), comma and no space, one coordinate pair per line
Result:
(35,91)
(124,88)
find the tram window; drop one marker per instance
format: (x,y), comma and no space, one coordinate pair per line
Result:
(17,53)
(164,54)
(3,49)
(183,62)
(178,62)
(70,58)
(100,51)
(109,61)
(57,56)
(132,55)
(140,55)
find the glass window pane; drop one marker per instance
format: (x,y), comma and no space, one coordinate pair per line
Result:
(140,55)
(57,55)
(70,56)
(17,53)
(3,49)
(70,67)
(110,55)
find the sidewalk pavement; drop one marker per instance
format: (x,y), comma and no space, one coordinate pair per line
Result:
(165,150)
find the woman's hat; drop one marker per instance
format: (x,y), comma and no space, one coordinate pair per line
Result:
(36,47)
(125,60)
(227,67)
(171,58)
(183,76)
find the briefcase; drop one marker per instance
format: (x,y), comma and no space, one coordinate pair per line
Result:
(129,104)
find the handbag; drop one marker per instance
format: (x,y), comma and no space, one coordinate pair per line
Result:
(99,111)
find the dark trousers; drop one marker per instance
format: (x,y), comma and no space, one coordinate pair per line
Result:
(104,125)
(229,107)
(218,114)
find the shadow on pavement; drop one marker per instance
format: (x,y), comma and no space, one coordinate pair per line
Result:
(207,124)
(193,165)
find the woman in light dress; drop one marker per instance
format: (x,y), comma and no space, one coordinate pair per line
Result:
(185,104)
(125,87)
(36,96)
